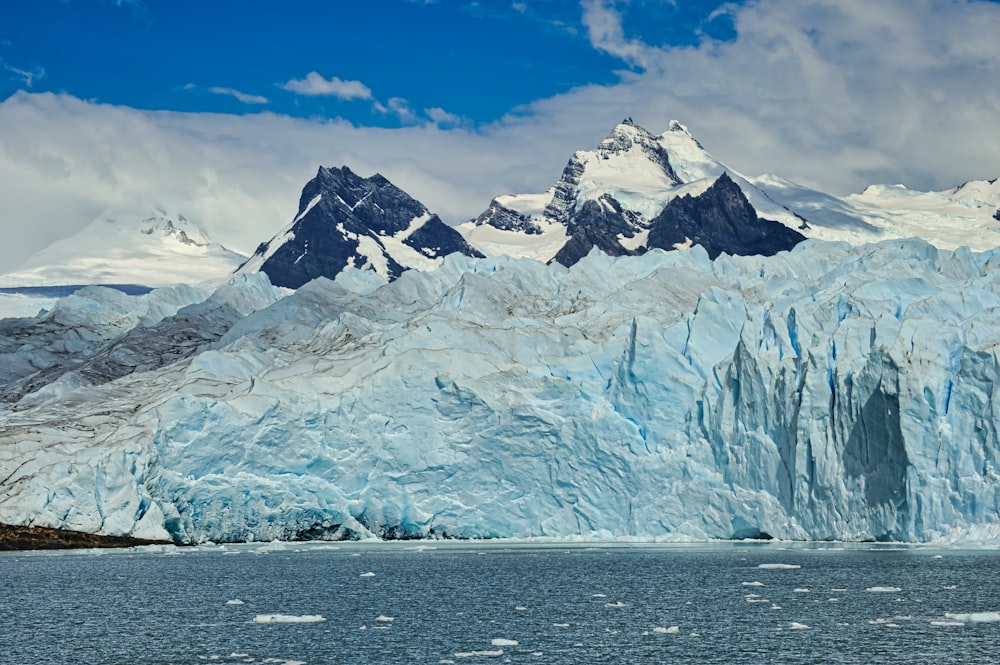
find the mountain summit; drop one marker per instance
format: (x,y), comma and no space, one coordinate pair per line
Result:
(609,198)
(345,220)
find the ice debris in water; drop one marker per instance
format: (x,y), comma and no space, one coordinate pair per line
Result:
(367,575)
(883,589)
(795,625)
(779,566)
(974,617)
(288,618)
(234,601)
(667,630)
(501,642)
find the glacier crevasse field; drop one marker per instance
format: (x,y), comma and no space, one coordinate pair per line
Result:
(830,392)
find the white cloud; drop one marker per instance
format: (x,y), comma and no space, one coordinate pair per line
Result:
(399,107)
(27,76)
(315,85)
(240,96)
(443,118)
(835,93)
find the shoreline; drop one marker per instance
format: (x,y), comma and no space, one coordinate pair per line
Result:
(23,538)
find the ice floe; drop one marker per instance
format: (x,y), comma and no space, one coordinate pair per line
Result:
(974,617)
(288,618)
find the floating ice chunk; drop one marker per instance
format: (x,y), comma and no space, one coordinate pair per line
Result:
(754,583)
(779,566)
(617,603)
(234,601)
(384,619)
(537,653)
(501,642)
(883,589)
(369,574)
(446,661)
(239,655)
(363,627)
(950,587)
(598,595)
(800,590)
(288,618)
(795,625)
(775,607)
(947,623)
(668,630)
(561,625)
(521,608)
(482,654)
(975,617)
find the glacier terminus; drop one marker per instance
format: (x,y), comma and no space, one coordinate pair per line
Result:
(829,392)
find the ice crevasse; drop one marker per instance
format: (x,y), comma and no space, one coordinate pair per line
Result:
(830,392)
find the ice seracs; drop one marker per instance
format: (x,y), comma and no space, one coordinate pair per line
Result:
(828,392)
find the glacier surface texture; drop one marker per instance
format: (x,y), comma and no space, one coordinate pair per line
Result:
(829,392)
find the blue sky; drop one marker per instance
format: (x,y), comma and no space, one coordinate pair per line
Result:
(214,107)
(378,62)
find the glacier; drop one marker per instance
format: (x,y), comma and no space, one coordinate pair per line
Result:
(829,392)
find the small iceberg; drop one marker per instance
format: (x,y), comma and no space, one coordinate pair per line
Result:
(288,618)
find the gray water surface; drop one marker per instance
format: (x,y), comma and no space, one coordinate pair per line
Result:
(449,602)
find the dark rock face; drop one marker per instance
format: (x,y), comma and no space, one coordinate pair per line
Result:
(722,221)
(596,224)
(506,219)
(338,212)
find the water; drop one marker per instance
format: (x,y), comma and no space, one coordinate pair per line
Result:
(566,604)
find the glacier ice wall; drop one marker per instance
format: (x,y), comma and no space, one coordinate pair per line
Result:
(825,393)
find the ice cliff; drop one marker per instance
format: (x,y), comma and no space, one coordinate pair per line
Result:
(829,392)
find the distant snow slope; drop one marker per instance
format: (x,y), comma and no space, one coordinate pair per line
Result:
(154,247)
(828,392)
(631,176)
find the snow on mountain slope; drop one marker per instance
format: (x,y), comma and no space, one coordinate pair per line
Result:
(344,221)
(828,392)
(618,188)
(156,247)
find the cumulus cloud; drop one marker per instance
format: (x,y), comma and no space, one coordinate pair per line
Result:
(443,118)
(239,96)
(314,85)
(398,107)
(833,93)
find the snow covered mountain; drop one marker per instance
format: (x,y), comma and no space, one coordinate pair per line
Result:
(609,197)
(829,392)
(154,247)
(345,220)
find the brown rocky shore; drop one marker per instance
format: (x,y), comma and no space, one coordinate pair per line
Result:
(39,538)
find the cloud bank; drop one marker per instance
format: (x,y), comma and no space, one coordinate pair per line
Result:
(833,93)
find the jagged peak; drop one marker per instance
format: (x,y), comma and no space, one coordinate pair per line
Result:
(676,126)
